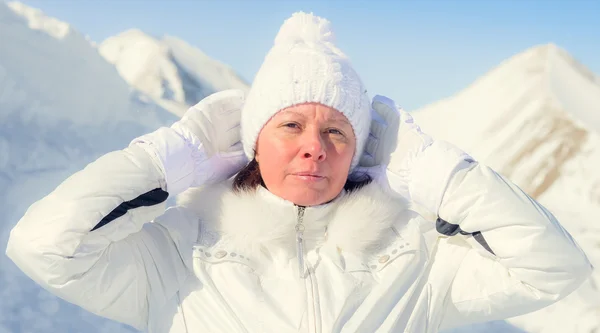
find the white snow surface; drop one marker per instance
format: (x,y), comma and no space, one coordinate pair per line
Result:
(38,21)
(536,119)
(62,105)
(175,74)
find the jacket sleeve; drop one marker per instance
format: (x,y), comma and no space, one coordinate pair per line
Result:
(520,258)
(88,241)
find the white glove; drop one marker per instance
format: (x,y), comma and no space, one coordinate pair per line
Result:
(399,155)
(394,143)
(411,143)
(383,133)
(204,146)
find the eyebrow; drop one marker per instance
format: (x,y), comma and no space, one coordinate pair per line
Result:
(342,119)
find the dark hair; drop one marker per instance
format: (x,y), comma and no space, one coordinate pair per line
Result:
(249,178)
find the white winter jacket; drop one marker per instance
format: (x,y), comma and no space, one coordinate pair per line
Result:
(225,262)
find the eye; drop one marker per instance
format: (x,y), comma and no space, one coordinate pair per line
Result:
(335,131)
(291,126)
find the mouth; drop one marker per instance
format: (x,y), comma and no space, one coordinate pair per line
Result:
(308,176)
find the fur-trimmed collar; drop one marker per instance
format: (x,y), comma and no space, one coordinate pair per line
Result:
(258,221)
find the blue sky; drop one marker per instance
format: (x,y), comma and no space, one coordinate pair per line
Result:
(413,51)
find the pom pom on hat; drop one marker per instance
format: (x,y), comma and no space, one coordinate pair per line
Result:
(305,66)
(303,27)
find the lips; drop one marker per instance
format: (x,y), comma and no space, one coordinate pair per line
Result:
(308,175)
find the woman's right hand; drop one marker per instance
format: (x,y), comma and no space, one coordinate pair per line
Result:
(103,240)
(204,146)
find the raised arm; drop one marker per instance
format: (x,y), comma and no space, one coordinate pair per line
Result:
(520,258)
(515,256)
(89,242)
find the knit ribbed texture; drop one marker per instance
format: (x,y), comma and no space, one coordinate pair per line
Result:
(305,66)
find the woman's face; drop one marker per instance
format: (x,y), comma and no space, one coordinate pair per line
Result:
(304,153)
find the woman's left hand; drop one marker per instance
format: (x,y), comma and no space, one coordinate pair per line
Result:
(410,162)
(393,137)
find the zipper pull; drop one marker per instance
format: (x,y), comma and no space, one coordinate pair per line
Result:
(300,240)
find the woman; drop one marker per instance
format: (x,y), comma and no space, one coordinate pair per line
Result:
(299,221)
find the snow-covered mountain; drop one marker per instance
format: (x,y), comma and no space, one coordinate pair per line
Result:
(536,119)
(175,74)
(61,106)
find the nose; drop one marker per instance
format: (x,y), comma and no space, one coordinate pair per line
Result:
(314,147)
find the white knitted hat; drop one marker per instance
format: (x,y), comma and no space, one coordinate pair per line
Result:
(304,66)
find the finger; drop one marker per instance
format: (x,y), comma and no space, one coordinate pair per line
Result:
(375,116)
(371,145)
(222,108)
(228,111)
(374,171)
(377,129)
(230,117)
(392,117)
(229,100)
(230,137)
(237,147)
(366,160)
(235,153)
(224,97)
(385,101)
(387,112)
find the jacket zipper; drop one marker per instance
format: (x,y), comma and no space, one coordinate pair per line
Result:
(300,241)
(304,271)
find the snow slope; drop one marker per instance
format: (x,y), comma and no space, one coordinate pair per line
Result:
(536,119)
(61,106)
(174,73)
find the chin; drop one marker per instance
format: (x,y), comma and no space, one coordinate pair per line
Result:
(311,197)
(306,194)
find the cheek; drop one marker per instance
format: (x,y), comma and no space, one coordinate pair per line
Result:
(273,156)
(342,155)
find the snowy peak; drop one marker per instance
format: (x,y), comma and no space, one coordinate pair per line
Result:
(176,74)
(60,100)
(553,54)
(574,88)
(528,118)
(134,52)
(535,119)
(543,78)
(48,80)
(542,58)
(62,105)
(554,76)
(37,20)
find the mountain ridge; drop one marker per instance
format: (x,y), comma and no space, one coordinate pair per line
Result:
(53,122)
(61,106)
(37,20)
(513,110)
(174,73)
(534,118)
